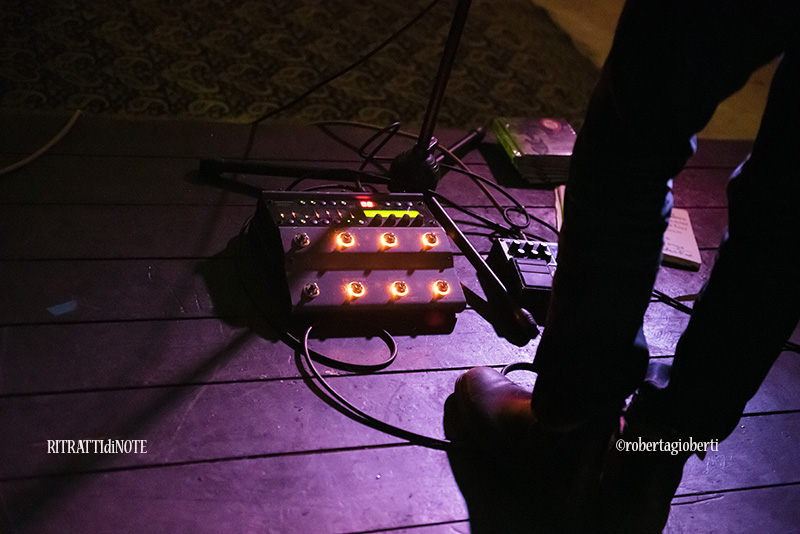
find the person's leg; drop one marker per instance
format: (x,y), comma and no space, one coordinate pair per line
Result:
(746,312)
(751,303)
(672,62)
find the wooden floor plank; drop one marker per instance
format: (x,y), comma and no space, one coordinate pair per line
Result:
(114,232)
(245,419)
(101,231)
(716,153)
(94,135)
(99,136)
(66,179)
(771,510)
(123,180)
(335,492)
(108,291)
(755,454)
(450,527)
(111,290)
(678,282)
(137,289)
(124,176)
(181,499)
(199,423)
(24,133)
(663,326)
(69,179)
(114,355)
(701,187)
(709,226)
(300,473)
(110,355)
(779,390)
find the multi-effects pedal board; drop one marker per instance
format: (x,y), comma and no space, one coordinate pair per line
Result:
(381,257)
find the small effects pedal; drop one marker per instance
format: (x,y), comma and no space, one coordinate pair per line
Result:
(526,268)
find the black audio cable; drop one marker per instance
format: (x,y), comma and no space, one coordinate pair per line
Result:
(659,296)
(301,346)
(388,132)
(516,228)
(360,415)
(516,208)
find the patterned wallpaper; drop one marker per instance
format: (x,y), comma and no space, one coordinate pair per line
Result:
(235,60)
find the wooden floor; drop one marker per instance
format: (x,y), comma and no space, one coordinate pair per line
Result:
(122,317)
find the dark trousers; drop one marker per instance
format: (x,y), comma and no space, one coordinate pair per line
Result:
(671,64)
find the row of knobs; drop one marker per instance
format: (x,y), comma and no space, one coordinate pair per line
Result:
(530,250)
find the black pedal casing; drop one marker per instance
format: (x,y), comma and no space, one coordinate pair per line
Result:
(380,257)
(526,268)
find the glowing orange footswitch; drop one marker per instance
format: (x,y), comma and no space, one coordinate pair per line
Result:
(355,290)
(345,240)
(398,289)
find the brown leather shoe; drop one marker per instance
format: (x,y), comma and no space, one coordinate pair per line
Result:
(505,458)
(488,410)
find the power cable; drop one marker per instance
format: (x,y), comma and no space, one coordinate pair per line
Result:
(363,417)
(50,144)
